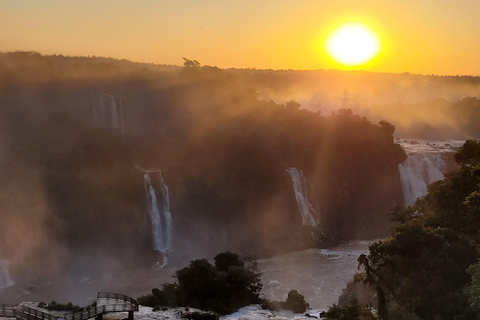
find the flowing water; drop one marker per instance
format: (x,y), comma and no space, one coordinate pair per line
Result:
(318,274)
(300,188)
(161,220)
(166,213)
(426,164)
(104,111)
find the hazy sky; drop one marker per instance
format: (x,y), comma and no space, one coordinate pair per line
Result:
(429,36)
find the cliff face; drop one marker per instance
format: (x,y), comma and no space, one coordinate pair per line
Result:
(223,154)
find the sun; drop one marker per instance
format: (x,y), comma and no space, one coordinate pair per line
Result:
(352,44)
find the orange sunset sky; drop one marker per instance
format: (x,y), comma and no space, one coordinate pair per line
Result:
(427,37)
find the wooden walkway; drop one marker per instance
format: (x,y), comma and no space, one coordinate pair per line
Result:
(106,302)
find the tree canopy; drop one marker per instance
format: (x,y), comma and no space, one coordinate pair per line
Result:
(224,287)
(429,265)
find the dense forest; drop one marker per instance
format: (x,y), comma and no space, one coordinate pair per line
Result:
(429,267)
(75,186)
(420,106)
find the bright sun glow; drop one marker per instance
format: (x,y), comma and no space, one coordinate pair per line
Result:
(352,44)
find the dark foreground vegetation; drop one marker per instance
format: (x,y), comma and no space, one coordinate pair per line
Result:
(295,302)
(429,268)
(55,306)
(351,311)
(226,286)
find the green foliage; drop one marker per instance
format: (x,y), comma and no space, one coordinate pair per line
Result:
(223,289)
(190,63)
(61,307)
(200,315)
(225,260)
(421,268)
(148,300)
(296,302)
(352,311)
(472,290)
(358,290)
(469,152)
(387,128)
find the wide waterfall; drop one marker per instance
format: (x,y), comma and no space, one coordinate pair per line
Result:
(417,172)
(5,280)
(426,163)
(300,189)
(161,220)
(105,112)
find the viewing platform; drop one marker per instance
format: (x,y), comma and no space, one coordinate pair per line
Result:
(106,302)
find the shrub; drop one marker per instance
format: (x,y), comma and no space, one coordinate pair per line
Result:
(196,315)
(148,300)
(61,307)
(353,311)
(225,260)
(224,287)
(296,302)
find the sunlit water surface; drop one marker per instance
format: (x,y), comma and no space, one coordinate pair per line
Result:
(318,274)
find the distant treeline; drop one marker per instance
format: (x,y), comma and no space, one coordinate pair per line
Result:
(436,119)
(72,187)
(420,106)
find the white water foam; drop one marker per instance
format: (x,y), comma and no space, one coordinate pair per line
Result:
(319,274)
(425,165)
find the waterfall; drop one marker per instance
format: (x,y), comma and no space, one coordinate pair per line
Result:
(112,108)
(418,171)
(426,163)
(104,111)
(166,212)
(161,219)
(5,280)
(101,109)
(300,189)
(122,129)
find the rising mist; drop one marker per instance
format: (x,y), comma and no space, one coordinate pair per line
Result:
(73,190)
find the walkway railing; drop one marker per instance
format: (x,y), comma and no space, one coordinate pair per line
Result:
(7,310)
(106,302)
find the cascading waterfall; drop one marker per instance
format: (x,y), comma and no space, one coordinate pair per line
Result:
(426,163)
(154,212)
(300,189)
(161,219)
(417,172)
(104,111)
(5,280)
(112,108)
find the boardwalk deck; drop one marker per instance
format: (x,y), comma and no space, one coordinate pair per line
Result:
(106,302)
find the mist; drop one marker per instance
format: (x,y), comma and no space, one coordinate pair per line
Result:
(78,133)
(420,106)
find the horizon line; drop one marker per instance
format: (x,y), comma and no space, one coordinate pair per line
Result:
(240,68)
